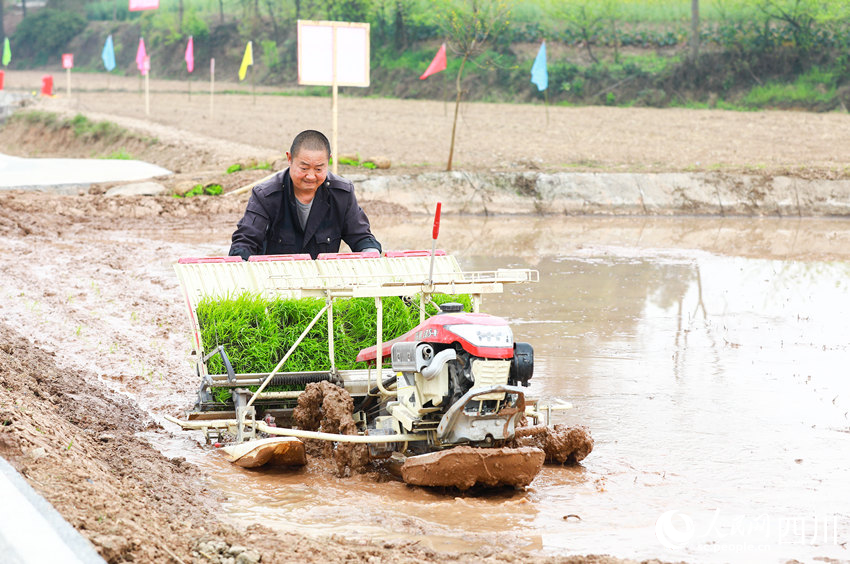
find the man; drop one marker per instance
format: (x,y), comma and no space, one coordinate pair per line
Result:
(303,209)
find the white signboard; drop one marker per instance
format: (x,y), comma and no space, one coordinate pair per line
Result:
(333,53)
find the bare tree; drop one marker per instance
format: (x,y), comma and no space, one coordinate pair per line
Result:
(2,28)
(468,25)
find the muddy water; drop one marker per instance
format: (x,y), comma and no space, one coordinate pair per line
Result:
(709,359)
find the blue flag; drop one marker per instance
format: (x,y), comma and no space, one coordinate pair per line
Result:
(108,54)
(539,74)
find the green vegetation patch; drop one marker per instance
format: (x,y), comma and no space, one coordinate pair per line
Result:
(120,155)
(814,87)
(236,167)
(355,161)
(201,190)
(82,127)
(256,333)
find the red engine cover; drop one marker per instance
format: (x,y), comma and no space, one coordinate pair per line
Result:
(437,329)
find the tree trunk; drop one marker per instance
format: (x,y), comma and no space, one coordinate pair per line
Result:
(694,30)
(400,34)
(616,40)
(24,7)
(180,16)
(457,107)
(114,10)
(221,11)
(2,29)
(270,7)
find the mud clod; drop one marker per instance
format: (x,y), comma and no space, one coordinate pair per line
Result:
(328,408)
(464,467)
(562,444)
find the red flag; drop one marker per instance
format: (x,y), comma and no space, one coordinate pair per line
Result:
(140,55)
(437,65)
(190,55)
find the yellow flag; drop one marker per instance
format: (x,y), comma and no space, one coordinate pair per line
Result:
(247,60)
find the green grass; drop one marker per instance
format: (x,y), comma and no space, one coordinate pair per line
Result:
(121,155)
(814,87)
(83,128)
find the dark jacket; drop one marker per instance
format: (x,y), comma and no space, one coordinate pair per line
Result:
(270,225)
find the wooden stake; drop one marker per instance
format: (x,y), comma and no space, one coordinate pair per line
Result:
(68,82)
(334,137)
(212,84)
(546,103)
(147,94)
(334,109)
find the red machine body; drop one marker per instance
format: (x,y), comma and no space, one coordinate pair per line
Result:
(480,334)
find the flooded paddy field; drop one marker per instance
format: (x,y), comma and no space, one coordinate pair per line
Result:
(707,356)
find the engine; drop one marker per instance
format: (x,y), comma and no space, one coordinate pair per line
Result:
(459,375)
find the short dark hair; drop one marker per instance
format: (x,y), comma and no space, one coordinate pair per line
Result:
(311,140)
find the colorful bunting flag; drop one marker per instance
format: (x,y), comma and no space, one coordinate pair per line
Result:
(190,55)
(108,54)
(539,73)
(7,52)
(247,60)
(141,54)
(437,65)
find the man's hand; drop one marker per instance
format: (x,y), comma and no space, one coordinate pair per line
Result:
(240,252)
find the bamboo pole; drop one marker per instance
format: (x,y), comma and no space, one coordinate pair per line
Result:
(247,187)
(212,84)
(147,93)
(335,107)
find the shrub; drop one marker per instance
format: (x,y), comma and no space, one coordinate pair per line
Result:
(43,35)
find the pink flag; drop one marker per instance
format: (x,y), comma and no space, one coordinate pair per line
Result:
(190,55)
(437,65)
(141,54)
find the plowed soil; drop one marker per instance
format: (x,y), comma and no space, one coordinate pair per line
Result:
(415,135)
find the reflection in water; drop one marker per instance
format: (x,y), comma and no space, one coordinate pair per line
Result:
(714,385)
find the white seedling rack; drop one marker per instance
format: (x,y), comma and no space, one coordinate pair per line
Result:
(331,276)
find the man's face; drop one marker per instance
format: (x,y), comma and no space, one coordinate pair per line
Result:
(308,169)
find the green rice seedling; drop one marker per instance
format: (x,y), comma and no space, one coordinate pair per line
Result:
(257,333)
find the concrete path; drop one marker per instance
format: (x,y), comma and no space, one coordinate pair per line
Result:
(32,531)
(66,176)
